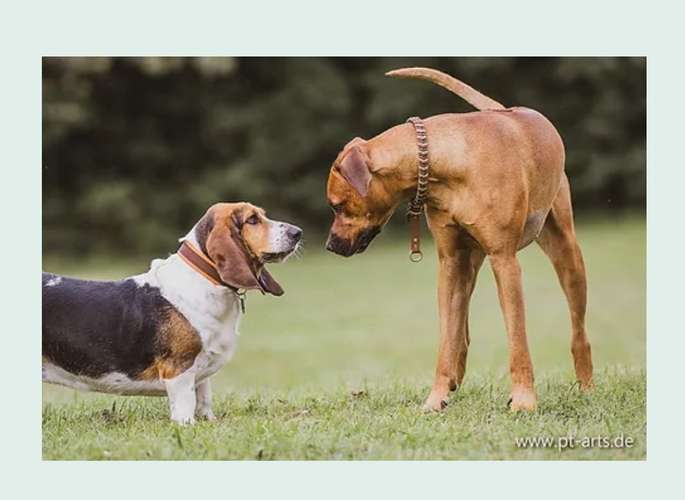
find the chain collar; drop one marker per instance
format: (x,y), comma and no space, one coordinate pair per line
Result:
(416,204)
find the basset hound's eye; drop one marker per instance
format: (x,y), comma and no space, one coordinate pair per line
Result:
(253,219)
(337,208)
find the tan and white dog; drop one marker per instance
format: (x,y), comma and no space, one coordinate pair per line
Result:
(166,331)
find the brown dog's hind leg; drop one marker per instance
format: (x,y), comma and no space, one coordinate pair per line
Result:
(459,261)
(510,291)
(558,240)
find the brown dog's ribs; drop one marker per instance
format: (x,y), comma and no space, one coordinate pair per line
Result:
(466,92)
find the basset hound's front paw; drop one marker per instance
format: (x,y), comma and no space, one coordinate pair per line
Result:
(205,414)
(183,421)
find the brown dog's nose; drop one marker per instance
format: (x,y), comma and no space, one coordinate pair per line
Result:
(339,245)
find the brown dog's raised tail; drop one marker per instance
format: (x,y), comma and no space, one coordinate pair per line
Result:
(469,94)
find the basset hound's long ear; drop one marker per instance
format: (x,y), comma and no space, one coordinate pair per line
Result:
(226,248)
(354,167)
(269,283)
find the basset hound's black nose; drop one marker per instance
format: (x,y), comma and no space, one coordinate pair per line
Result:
(294,232)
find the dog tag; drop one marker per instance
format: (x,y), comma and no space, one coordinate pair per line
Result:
(415,254)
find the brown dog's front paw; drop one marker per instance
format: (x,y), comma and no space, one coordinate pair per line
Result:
(435,402)
(523,400)
(586,386)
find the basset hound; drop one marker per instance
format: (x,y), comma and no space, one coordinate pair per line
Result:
(166,331)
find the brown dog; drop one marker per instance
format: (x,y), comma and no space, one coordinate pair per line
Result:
(496,184)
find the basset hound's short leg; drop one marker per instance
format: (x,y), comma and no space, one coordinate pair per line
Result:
(204,401)
(182,400)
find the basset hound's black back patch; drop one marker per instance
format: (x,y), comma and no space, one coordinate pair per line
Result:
(93,328)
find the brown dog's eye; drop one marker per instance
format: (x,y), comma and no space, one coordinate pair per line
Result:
(337,208)
(253,219)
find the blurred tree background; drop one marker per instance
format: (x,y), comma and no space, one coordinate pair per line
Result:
(135,149)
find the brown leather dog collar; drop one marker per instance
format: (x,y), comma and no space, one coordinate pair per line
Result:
(416,204)
(198,261)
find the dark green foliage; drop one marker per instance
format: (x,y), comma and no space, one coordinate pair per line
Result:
(134,150)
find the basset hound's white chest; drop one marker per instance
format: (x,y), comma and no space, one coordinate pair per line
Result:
(213,311)
(219,345)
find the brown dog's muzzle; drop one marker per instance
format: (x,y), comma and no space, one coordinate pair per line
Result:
(348,247)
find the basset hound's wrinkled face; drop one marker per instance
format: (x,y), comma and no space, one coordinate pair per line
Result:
(240,240)
(361,207)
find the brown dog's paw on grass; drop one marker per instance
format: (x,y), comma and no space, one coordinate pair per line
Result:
(586,386)
(435,402)
(523,400)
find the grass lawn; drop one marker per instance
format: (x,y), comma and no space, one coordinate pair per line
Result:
(338,367)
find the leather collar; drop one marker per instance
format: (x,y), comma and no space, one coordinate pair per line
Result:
(197,260)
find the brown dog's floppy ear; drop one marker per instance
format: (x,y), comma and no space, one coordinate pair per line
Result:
(355,170)
(225,248)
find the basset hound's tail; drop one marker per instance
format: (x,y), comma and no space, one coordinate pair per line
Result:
(469,94)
